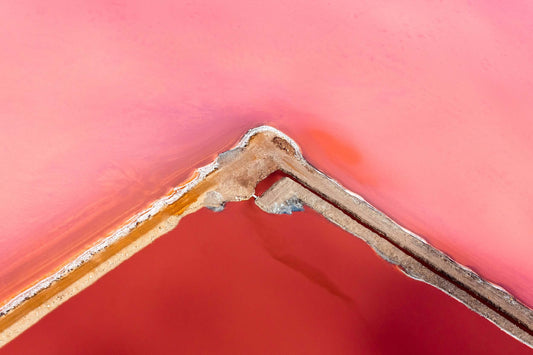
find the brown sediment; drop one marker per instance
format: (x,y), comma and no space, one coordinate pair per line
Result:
(234,177)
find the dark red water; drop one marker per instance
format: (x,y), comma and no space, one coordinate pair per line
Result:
(243,281)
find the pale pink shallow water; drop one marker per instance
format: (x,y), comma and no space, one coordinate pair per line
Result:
(424,109)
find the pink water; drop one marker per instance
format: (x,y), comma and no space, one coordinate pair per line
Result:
(423,108)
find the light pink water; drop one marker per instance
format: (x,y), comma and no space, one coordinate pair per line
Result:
(424,109)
